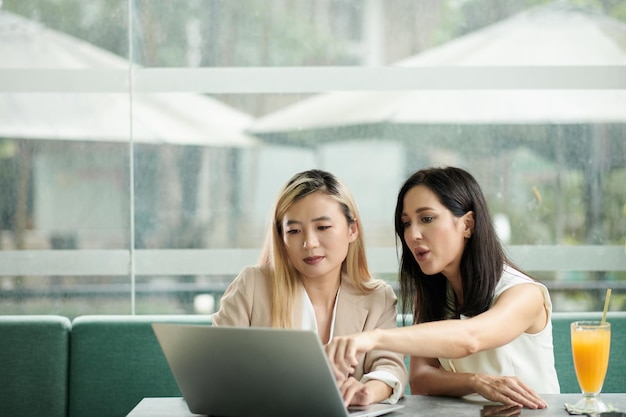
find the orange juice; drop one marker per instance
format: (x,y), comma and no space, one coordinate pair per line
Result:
(591,344)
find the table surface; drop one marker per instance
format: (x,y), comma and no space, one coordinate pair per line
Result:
(414,405)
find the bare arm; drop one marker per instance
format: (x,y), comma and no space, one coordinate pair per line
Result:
(519,309)
(429,378)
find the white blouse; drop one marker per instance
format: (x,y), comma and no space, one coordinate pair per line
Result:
(530,357)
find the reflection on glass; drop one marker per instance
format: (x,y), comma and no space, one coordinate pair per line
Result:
(499,410)
(63,195)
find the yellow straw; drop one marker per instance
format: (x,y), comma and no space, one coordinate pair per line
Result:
(606,304)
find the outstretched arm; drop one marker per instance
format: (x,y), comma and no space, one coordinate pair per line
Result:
(519,309)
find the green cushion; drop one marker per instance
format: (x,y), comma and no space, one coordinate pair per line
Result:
(33,365)
(116,361)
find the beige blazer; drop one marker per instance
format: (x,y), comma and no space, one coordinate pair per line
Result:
(246,302)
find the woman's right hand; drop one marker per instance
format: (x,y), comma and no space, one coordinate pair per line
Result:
(344,353)
(506,390)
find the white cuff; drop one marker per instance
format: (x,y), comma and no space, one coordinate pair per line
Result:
(389,379)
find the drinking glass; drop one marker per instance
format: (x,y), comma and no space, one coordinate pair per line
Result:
(591,343)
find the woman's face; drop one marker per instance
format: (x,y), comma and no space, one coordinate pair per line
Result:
(435,236)
(317,235)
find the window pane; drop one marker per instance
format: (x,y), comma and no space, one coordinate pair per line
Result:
(206,151)
(64,158)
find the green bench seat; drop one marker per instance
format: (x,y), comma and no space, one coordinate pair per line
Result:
(116,361)
(102,366)
(34,365)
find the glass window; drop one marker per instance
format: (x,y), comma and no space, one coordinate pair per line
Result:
(142,142)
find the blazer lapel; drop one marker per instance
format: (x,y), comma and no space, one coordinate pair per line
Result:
(296,316)
(350,317)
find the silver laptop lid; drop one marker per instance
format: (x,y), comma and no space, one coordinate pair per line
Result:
(235,371)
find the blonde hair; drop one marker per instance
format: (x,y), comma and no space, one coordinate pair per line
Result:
(274,255)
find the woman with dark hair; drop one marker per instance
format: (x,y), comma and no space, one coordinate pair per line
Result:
(481,326)
(313,275)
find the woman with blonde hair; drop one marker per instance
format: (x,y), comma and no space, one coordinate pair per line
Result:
(313,275)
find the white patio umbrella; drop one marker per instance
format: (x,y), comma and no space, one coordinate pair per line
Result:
(185,119)
(487,121)
(556,34)
(100,118)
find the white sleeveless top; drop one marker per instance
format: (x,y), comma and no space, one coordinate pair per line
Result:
(530,357)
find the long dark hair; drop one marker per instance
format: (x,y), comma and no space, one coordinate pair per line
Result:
(482,261)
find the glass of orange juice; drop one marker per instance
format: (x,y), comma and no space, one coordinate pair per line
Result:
(591,343)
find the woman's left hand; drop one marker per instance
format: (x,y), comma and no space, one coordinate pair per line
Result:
(508,390)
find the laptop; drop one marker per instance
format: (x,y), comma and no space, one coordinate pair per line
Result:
(238,372)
